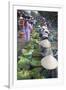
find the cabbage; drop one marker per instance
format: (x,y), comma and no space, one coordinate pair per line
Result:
(24,74)
(36,74)
(35,62)
(27,52)
(23,63)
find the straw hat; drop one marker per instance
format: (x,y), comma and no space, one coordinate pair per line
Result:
(45,43)
(49,62)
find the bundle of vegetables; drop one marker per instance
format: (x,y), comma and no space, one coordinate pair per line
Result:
(35,35)
(27,53)
(23,63)
(36,73)
(35,61)
(24,74)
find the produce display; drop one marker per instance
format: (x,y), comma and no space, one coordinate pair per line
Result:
(31,55)
(29,64)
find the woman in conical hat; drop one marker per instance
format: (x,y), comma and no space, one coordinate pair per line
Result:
(44,32)
(50,64)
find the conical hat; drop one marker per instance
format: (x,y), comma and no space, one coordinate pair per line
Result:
(49,62)
(45,43)
(21,18)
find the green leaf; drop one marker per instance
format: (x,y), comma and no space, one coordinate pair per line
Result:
(23,63)
(24,74)
(27,52)
(36,61)
(35,73)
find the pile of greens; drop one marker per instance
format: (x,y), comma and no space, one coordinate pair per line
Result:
(29,63)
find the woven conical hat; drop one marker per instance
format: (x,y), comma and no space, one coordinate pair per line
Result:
(45,43)
(49,62)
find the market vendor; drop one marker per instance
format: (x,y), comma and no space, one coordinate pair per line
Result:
(25,28)
(28,29)
(21,26)
(44,32)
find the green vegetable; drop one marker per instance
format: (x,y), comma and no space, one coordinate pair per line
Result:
(24,63)
(24,74)
(27,52)
(36,62)
(35,73)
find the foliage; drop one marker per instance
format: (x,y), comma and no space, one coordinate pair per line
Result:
(35,73)
(50,17)
(35,61)
(24,74)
